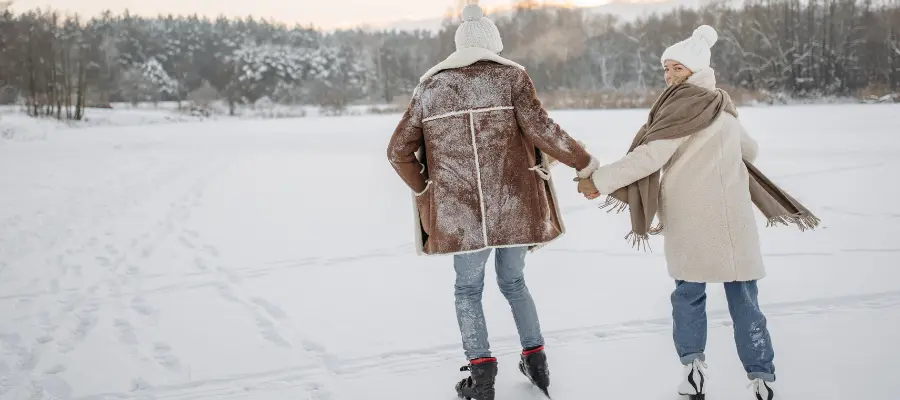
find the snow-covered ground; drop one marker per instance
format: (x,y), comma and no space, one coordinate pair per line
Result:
(269,260)
(16,125)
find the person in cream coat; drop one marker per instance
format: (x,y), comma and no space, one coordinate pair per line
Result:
(708,224)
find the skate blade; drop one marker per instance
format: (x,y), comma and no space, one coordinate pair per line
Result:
(543,390)
(546,393)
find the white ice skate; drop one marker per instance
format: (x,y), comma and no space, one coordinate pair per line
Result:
(763,390)
(694,384)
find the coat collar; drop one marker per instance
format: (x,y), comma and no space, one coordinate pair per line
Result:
(705,79)
(465,57)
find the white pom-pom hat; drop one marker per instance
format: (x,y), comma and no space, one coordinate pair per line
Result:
(693,52)
(477,31)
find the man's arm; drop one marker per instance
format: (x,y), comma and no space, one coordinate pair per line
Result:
(401,151)
(546,134)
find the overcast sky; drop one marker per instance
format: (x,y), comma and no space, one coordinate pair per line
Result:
(322,13)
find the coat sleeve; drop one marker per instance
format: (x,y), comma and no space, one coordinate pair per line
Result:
(640,163)
(749,147)
(401,151)
(540,128)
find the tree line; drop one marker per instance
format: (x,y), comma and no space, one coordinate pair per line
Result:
(58,64)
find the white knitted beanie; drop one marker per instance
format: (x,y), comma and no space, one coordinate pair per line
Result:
(477,31)
(693,52)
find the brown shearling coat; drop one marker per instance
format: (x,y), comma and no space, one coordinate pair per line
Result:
(471,147)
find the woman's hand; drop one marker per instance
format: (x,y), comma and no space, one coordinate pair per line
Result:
(587,188)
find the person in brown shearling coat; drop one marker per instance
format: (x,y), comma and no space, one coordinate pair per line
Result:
(475,146)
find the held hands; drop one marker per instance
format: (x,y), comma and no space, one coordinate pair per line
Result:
(585,182)
(587,188)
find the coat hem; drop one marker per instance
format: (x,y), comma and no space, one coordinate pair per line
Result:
(532,248)
(718,280)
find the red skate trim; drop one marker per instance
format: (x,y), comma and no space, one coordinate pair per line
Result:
(482,360)
(532,351)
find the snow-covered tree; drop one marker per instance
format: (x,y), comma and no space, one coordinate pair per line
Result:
(804,48)
(158,80)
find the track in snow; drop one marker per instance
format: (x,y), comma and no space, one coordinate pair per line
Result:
(436,357)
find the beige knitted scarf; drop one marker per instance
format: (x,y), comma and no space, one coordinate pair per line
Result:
(682,110)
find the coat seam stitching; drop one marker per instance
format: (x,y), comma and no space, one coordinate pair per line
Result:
(478,178)
(469,111)
(727,214)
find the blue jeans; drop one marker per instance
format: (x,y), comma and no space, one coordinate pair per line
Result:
(754,346)
(510,264)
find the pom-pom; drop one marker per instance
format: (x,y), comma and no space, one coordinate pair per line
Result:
(708,34)
(472,13)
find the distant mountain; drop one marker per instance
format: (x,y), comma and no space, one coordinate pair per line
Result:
(625,9)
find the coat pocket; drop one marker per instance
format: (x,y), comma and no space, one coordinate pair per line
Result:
(425,206)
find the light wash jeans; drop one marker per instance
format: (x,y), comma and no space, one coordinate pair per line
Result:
(754,346)
(510,264)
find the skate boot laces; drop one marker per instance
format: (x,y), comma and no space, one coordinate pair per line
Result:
(699,364)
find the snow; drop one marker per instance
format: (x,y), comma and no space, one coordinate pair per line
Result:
(273,259)
(16,126)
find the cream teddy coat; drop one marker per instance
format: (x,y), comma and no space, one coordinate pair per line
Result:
(709,227)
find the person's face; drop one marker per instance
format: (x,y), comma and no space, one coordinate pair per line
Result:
(675,72)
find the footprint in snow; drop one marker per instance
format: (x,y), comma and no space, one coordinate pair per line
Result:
(126,331)
(139,305)
(162,352)
(187,243)
(273,310)
(56,387)
(212,250)
(23,303)
(200,263)
(226,292)
(269,331)
(317,391)
(56,369)
(28,359)
(44,339)
(138,384)
(232,277)
(312,346)
(103,261)
(146,252)
(87,320)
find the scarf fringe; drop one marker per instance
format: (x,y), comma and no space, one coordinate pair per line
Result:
(804,221)
(638,241)
(613,205)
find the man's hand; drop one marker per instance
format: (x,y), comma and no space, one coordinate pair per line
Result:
(587,188)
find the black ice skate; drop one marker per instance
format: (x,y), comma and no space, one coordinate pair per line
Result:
(479,385)
(534,366)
